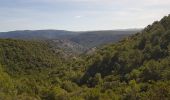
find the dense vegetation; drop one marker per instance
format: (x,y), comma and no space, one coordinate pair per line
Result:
(72,40)
(136,68)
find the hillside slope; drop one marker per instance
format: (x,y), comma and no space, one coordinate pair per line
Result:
(66,48)
(29,69)
(99,38)
(87,39)
(142,59)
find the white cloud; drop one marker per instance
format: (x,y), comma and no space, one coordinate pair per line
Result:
(78,16)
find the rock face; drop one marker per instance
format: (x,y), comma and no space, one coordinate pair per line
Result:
(91,51)
(66,47)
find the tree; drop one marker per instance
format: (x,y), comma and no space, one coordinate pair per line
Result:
(96,80)
(132,91)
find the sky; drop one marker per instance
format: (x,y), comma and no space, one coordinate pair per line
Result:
(80,15)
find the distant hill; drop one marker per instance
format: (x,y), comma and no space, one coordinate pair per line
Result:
(74,42)
(98,38)
(59,34)
(37,34)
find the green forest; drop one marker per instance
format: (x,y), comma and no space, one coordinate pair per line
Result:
(135,68)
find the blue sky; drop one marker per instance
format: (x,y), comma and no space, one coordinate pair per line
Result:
(80,15)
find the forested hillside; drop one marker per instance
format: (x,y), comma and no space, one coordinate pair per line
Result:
(136,68)
(86,39)
(24,67)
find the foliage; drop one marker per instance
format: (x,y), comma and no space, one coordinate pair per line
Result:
(136,68)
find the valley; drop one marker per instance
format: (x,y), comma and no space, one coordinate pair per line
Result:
(98,65)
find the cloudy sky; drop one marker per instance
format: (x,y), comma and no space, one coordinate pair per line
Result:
(80,15)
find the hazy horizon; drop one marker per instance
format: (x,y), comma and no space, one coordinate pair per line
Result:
(80,15)
(76,31)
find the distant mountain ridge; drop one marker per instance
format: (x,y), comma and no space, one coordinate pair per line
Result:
(58,34)
(36,34)
(69,41)
(98,38)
